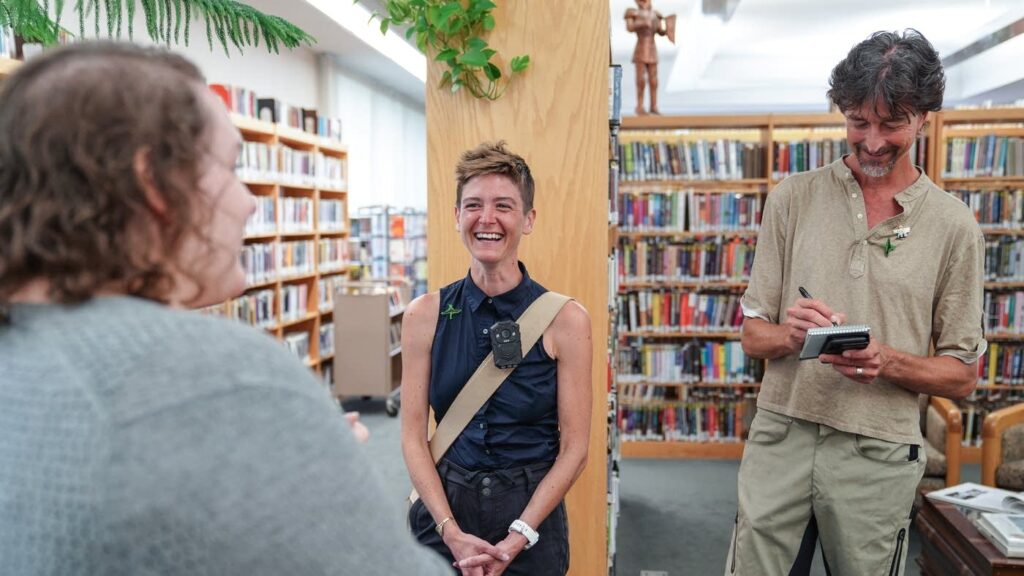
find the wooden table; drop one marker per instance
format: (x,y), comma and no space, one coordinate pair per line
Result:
(951,545)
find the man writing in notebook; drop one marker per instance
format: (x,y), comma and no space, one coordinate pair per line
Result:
(833,454)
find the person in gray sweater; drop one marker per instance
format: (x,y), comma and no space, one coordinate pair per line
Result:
(137,437)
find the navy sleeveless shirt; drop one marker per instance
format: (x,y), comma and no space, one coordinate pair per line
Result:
(518,425)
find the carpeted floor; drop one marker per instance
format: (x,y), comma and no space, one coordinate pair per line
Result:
(677,515)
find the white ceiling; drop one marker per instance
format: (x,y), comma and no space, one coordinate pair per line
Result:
(776,55)
(772,55)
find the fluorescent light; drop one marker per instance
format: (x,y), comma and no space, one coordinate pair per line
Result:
(356,19)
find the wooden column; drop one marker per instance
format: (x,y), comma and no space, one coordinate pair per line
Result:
(556,117)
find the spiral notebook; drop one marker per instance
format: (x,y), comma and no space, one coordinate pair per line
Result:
(835,339)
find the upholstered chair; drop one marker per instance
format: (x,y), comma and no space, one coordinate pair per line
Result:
(1002,449)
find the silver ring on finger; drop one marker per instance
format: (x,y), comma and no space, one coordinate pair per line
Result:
(860,371)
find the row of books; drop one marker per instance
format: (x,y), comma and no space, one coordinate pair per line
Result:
(693,362)
(255,308)
(306,168)
(980,156)
(657,259)
(294,302)
(268,261)
(262,161)
(689,211)
(722,159)
(332,254)
(664,311)
(1003,364)
(995,208)
(326,338)
(1004,259)
(245,102)
(326,287)
(264,219)
(1004,312)
(714,421)
(332,215)
(296,216)
(804,155)
(298,344)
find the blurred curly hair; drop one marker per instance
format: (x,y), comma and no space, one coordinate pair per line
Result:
(72,209)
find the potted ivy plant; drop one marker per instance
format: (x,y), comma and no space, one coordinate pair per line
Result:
(451,31)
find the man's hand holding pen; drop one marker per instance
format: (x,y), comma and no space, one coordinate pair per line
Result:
(807,313)
(860,365)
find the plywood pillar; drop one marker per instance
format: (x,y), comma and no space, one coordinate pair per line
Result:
(556,117)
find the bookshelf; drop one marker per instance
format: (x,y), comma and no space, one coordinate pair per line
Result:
(391,242)
(691,192)
(296,245)
(980,159)
(614,449)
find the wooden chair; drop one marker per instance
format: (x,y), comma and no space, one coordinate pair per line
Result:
(943,431)
(1002,448)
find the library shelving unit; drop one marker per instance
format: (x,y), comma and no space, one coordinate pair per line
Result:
(391,242)
(368,320)
(691,193)
(296,245)
(980,159)
(614,456)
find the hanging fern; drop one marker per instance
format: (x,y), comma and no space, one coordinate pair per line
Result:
(227,20)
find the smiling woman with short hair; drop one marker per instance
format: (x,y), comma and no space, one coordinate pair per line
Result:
(494,503)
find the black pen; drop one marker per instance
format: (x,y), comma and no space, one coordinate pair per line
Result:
(806,294)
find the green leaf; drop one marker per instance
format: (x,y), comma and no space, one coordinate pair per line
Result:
(384,25)
(446,78)
(492,72)
(488,22)
(484,5)
(473,58)
(434,16)
(446,55)
(476,43)
(409,32)
(520,63)
(489,52)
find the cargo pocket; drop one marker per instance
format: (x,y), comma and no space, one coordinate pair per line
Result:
(769,428)
(899,549)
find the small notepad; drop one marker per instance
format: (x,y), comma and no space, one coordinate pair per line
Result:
(835,339)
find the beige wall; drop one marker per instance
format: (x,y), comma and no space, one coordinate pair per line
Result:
(556,116)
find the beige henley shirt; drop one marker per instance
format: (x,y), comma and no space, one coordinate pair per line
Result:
(927,289)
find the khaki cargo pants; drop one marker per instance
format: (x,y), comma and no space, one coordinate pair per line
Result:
(800,482)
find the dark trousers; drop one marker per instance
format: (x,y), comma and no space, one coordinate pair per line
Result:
(485,502)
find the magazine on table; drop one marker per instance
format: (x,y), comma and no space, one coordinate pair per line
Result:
(982,498)
(1005,531)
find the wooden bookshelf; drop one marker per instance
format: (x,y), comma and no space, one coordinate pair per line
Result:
(773,132)
(275,190)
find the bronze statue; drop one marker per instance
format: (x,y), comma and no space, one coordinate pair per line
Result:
(647,22)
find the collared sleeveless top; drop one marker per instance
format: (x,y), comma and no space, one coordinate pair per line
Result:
(518,425)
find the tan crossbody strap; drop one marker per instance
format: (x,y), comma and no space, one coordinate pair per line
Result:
(488,377)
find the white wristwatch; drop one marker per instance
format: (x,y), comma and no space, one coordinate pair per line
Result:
(523,528)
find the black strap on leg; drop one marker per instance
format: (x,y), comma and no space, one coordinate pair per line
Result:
(804,557)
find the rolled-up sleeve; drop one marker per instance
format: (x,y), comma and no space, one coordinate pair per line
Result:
(959,315)
(763,297)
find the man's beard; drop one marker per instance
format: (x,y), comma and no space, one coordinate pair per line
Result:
(875,168)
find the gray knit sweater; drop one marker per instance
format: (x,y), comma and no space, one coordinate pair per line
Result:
(136,440)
